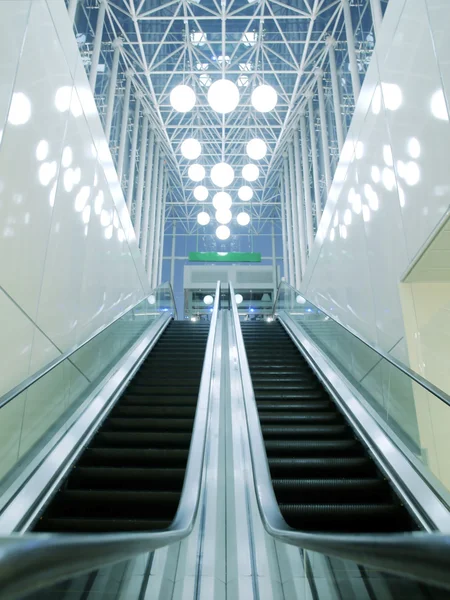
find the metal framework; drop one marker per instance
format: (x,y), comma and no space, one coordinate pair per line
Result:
(282,43)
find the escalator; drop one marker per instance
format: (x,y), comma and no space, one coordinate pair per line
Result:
(130,476)
(323,477)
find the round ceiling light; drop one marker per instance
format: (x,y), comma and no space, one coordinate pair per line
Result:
(208,299)
(250,172)
(201,193)
(223,96)
(223,232)
(256,149)
(222,174)
(245,193)
(239,298)
(264,98)
(196,172)
(222,200)
(182,98)
(300,300)
(223,216)
(203,218)
(191,149)
(243,218)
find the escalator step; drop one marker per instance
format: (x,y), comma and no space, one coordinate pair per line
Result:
(322,467)
(293,418)
(147,425)
(137,439)
(344,517)
(133,400)
(305,491)
(314,448)
(290,395)
(132,479)
(266,406)
(134,457)
(166,390)
(153,411)
(115,504)
(100,525)
(305,431)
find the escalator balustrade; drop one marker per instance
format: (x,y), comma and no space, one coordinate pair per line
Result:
(130,476)
(323,477)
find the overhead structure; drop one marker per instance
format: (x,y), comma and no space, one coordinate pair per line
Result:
(225,83)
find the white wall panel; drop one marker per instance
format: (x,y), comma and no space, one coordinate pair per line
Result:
(398,144)
(418,124)
(69,259)
(15,14)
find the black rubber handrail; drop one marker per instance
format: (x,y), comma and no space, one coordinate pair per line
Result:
(421,556)
(437,392)
(29,381)
(34,561)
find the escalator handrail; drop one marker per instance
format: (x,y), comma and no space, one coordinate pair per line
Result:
(421,556)
(430,387)
(32,561)
(29,381)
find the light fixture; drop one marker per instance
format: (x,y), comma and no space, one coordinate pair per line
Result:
(300,300)
(151,299)
(256,149)
(182,98)
(239,298)
(223,232)
(243,218)
(20,109)
(245,193)
(223,216)
(203,218)
(222,200)
(250,172)
(250,38)
(222,174)
(223,96)
(201,193)
(191,149)
(196,172)
(264,98)
(208,299)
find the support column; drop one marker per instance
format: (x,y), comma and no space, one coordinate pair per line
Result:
(149,176)
(300,209)
(134,140)
(140,186)
(72,10)
(155,262)
(157,182)
(274,264)
(289,222)
(377,16)
(284,232)
(323,129)
(117,45)
(172,259)
(162,228)
(97,44)
(124,126)
(336,96)
(295,225)
(306,184)
(315,165)
(354,72)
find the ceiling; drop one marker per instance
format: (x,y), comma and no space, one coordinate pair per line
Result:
(276,42)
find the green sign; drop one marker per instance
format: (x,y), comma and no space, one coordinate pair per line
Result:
(224,256)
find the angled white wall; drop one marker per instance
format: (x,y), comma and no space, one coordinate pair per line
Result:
(392,187)
(69,262)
